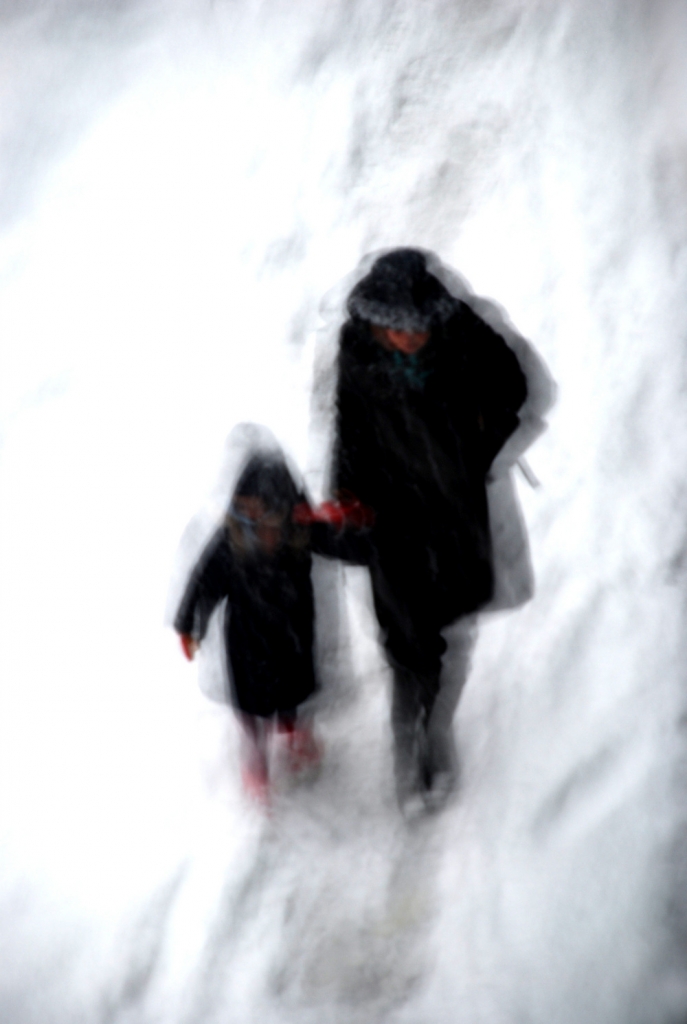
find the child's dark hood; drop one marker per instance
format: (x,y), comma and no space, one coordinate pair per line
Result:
(252,454)
(399,292)
(266,476)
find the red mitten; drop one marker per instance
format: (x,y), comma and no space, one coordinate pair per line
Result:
(188,645)
(346,512)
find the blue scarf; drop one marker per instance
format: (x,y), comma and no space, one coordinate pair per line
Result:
(410,369)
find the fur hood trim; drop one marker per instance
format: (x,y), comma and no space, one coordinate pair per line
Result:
(399,292)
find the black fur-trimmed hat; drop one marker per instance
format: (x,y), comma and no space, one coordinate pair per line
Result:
(399,292)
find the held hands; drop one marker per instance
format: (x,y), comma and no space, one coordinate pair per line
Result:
(346,511)
(188,645)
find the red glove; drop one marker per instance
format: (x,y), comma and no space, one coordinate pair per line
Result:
(188,645)
(346,512)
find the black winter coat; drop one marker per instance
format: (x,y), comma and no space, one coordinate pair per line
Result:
(268,622)
(415,439)
(269,614)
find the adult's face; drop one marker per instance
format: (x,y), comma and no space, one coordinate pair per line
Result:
(407,342)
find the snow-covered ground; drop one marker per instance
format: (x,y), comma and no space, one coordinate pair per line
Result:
(182,183)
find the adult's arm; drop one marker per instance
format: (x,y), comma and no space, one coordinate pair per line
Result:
(501,387)
(352,470)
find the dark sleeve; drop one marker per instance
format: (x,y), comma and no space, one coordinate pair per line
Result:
(501,387)
(351,464)
(206,587)
(348,544)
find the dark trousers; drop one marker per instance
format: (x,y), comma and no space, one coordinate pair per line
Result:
(422,710)
(415,624)
(411,618)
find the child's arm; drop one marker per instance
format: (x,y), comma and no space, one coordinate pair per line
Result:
(204,590)
(338,529)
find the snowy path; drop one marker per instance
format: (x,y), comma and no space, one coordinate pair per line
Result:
(181,187)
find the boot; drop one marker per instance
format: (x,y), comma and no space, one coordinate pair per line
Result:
(408,721)
(254,760)
(304,752)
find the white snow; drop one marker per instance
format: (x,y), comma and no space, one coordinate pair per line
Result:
(183,184)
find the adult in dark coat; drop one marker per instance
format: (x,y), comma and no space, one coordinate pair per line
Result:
(427,395)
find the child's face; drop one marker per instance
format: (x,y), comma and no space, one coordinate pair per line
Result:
(268,525)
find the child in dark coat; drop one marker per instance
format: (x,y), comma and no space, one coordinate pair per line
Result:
(260,561)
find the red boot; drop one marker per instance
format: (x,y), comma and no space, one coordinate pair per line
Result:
(256,783)
(254,770)
(303,750)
